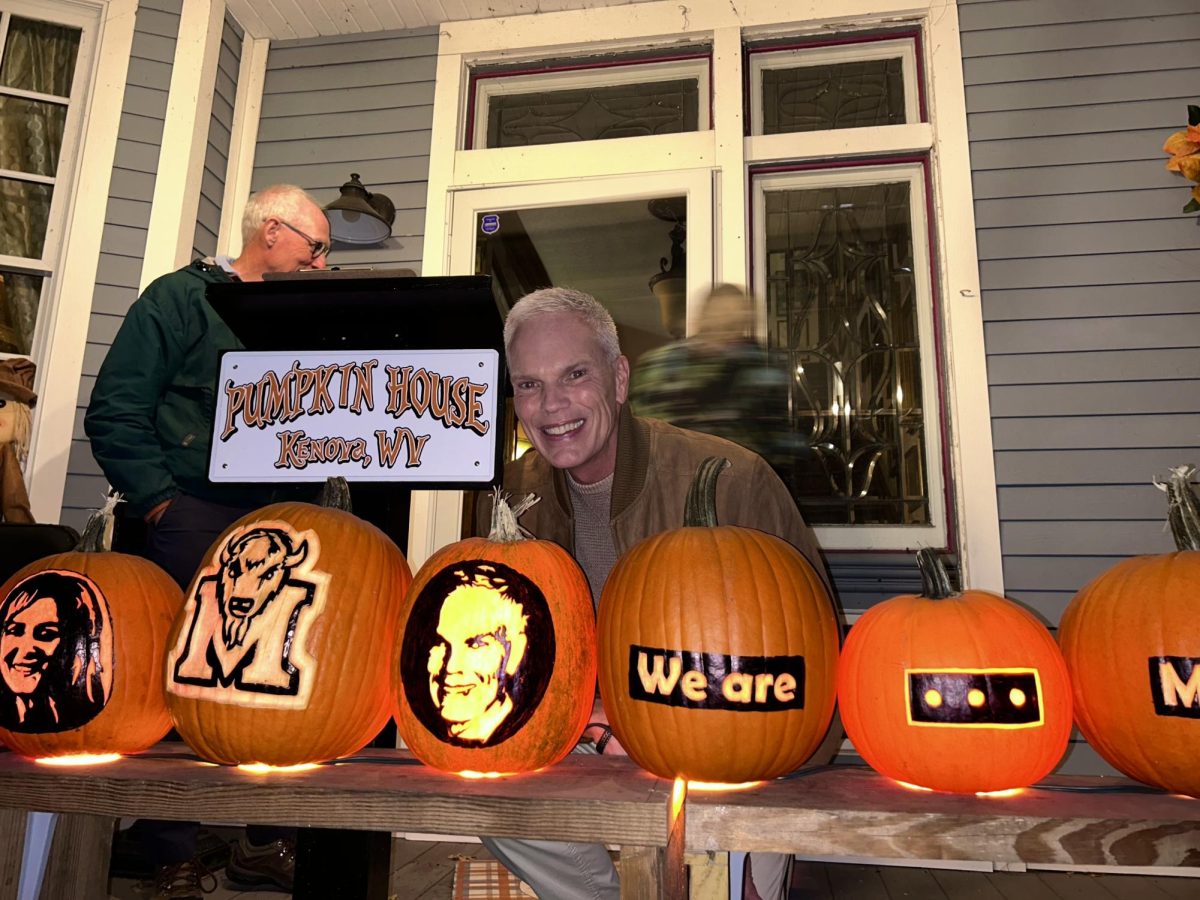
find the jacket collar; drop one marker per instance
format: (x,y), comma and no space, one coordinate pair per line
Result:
(633,460)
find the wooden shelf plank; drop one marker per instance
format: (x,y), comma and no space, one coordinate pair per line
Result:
(850,811)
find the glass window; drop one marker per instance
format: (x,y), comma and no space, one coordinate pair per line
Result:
(589,101)
(37,68)
(628,254)
(847,286)
(848,85)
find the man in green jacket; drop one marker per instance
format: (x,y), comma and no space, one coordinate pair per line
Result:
(150,422)
(608,479)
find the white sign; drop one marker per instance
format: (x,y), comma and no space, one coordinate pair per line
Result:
(394,415)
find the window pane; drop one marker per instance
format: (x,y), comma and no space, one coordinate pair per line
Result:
(838,95)
(39,56)
(613,251)
(31,134)
(593,113)
(19,296)
(24,211)
(842,302)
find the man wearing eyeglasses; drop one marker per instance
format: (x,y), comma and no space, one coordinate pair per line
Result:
(150,421)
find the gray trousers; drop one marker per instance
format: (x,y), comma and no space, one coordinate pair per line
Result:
(557,870)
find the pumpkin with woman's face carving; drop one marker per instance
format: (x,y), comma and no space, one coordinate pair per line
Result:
(964,692)
(81,641)
(496,664)
(280,655)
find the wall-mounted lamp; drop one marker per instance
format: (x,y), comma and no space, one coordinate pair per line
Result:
(670,284)
(360,217)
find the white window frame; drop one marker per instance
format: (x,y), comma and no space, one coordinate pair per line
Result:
(46,264)
(904,48)
(853,537)
(72,248)
(727,152)
(489,85)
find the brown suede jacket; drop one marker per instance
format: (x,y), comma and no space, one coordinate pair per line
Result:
(655,465)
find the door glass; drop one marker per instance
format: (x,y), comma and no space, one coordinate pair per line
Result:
(628,254)
(842,303)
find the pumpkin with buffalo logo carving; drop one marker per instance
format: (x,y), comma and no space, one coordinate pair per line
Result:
(281,653)
(963,692)
(495,668)
(1131,639)
(718,648)
(81,639)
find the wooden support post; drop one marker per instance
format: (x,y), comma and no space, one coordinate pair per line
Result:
(79,855)
(640,869)
(675,869)
(12,845)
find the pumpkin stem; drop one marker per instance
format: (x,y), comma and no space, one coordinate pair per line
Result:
(1183,510)
(98,532)
(505,527)
(335,494)
(935,580)
(700,510)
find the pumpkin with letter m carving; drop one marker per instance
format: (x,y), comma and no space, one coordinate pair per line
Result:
(495,668)
(280,654)
(718,649)
(1131,639)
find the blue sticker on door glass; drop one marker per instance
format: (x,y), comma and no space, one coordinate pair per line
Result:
(489,224)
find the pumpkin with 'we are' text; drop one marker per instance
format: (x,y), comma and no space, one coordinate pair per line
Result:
(496,664)
(718,649)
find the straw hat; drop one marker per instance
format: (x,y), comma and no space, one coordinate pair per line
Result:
(16,379)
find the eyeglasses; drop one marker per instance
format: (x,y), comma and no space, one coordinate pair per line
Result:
(316,248)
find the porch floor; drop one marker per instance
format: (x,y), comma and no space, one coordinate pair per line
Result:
(425,871)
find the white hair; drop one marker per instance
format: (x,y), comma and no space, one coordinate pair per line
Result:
(565,300)
(279,201)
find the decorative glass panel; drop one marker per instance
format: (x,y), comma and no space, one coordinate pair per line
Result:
(842,302)
(39,56)
(842,95)
(593,113)
(31,135)
(24,213)
(19,295)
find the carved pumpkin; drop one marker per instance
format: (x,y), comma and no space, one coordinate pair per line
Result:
(81,641)
(496,665)
(1131,640)
(281,653)
(718,649)
(954,692)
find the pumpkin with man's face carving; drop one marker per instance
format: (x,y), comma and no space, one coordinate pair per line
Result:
(718,647)
(496,664)
(81,641)
(954,692)
(281,653)
(1131,639)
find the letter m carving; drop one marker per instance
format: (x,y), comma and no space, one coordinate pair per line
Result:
(1175,685)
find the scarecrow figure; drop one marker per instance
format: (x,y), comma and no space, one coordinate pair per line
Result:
(16,402)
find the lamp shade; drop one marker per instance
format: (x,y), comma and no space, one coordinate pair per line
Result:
(358,216)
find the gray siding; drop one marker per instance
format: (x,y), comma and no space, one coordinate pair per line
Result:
(364,104)
(123,243)
(216,158)
(1090,278)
